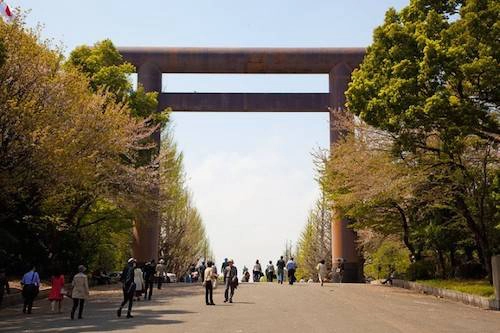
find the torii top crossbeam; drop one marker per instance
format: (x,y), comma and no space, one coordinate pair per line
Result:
(243,60)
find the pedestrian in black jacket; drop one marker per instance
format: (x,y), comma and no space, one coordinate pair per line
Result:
(230,281)
(127,280)
(4,285)
(149,278)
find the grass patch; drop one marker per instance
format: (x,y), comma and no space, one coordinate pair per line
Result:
(475,287)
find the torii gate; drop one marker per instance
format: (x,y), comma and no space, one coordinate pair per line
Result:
(338,63)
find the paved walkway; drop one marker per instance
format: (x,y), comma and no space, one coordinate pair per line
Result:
(265,308)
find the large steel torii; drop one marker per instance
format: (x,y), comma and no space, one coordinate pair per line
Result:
(338,63)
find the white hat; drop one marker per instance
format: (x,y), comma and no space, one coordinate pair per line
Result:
(131,260)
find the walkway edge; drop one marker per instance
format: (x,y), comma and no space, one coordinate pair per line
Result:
(474,300)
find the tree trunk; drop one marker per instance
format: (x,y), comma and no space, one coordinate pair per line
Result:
(480,238)
(406,232)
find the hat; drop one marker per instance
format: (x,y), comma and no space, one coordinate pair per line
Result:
(131,260)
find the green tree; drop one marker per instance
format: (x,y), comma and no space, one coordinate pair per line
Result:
(106,70)
(431,80)
(183,240)
(315,242)
(61,157)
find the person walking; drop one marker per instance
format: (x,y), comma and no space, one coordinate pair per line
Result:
(127,279)
(139,282)
(270,271)
(149,278)
(209,279)
(322,273)
(280,265)
(291,266)
(216,274)
(224,265)
(257,271)
(201,271)
(230,281)
(4,284)
(31,285)
(161,270)
(56,296)
(80,292)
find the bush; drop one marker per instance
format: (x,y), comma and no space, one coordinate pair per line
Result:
(391,254)
(421,270)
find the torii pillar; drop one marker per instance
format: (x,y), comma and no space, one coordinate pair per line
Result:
(146,233)
(343,238)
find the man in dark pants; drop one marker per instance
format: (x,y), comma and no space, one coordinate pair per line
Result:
(4,284)
(127,279)
(281,269)
(291,267)
(149,278)
(31,285)
(230,281)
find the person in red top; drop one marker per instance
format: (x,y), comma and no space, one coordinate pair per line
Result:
(56,295)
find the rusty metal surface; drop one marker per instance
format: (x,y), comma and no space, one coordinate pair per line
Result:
(245,102)
(244,60)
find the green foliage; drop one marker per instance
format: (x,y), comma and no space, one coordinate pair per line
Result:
(430,81)
(391,255)
(106,70)
(422,269)
(428,75)
(64,187)
(183,239)
(475,287)
(315,243)
(3,53)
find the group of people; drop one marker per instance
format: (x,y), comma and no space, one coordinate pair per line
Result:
(209,278)
(271,271)
(136,280)
(290,266)
(139,279)
(79,291)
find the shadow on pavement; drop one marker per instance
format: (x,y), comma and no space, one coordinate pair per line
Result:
(99,315)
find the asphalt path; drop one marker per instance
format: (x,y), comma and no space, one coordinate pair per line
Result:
(264,308)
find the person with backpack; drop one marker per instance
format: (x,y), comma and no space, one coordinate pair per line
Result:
(270,271)
(280,265)
(128,286)
(257,271)
(31,285)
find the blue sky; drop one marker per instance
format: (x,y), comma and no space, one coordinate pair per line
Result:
(251,174)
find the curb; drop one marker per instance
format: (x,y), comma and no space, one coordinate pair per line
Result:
(474,300)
